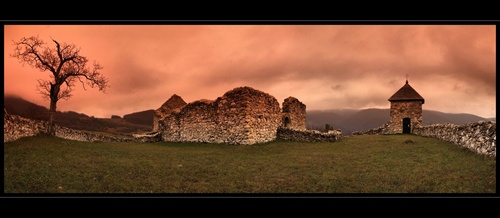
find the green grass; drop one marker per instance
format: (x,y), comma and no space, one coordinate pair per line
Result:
(356,164)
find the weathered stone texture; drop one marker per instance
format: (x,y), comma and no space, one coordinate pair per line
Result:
(248,116)
(478,137)
(241,116)
(197,122)
(404,109)
(294,114)
(174,103)
(77,135)
(288,134)
(15,127)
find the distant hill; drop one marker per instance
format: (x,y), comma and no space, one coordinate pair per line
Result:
(18,106)
(21,107)
(360,120)
(142,118)
(432,117)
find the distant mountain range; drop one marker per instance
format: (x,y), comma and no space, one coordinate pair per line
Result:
(347,120)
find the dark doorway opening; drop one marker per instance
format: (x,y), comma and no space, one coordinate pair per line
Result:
(286,122)
(406,126)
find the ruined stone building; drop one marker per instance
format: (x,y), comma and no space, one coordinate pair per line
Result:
(241,116)
(406,110)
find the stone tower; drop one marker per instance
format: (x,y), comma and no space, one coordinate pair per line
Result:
(406,110)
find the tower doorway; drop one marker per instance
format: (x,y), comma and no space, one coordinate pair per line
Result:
(406,126)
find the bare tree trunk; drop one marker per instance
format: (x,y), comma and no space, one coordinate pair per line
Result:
(54,92)
(51,130)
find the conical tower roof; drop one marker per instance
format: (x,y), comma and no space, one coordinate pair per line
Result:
(406,93)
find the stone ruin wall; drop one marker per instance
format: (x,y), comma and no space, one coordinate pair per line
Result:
(241,116)
(287,134)
(294,114)
(15,127)
(174,103)
(404,109)
(480,137)
(195,122)
(156,120)
(248,116)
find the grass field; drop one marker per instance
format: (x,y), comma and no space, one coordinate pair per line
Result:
(355,164)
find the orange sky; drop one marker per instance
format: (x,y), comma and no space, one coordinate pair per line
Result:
(325,66)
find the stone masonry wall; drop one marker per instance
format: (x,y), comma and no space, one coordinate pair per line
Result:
(197,122)
(288,134)
(174,103)
(248,116)
(404,109)
(478,137)
(294,112)
(16,127)
(241,116)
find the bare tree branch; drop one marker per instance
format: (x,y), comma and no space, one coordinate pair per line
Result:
(83,84)
(43,88)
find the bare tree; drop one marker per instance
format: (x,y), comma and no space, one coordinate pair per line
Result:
(66,66)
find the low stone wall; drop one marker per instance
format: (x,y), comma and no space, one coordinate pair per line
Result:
(288,134)
(72,134)
(147,137)
(15,127)
(375,131)
(478,137)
